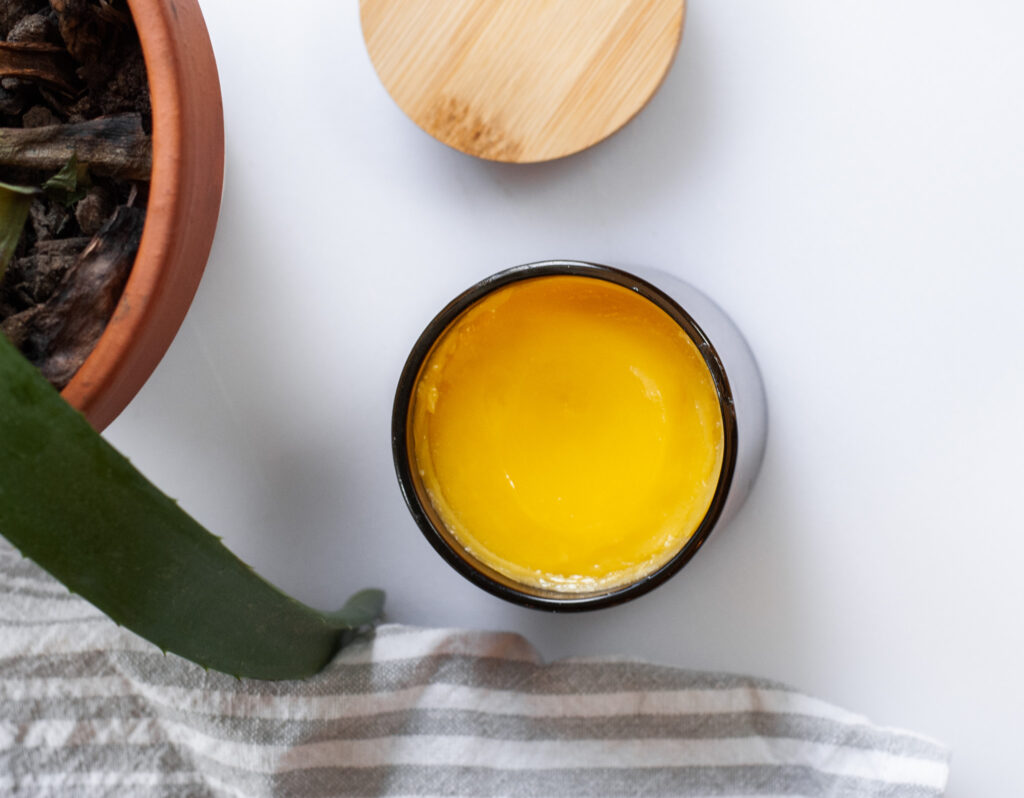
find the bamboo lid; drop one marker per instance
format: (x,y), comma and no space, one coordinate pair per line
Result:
(521,80)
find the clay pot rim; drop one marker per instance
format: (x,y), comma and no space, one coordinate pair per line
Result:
(166,270)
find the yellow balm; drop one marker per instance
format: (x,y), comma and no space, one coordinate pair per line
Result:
(568,433)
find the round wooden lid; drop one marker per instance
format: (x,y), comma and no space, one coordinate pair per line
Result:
(521,80)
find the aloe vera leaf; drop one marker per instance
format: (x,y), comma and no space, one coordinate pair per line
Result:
(14,205)
(72,503)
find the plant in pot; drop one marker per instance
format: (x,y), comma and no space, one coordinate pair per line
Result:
(176,158)
(67,499)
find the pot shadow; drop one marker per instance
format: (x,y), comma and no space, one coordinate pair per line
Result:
(740,606)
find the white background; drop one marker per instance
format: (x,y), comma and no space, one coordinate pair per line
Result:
(845,178)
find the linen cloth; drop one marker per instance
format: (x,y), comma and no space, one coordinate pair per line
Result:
(90,709)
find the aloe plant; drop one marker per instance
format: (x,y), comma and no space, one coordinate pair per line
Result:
(72,503)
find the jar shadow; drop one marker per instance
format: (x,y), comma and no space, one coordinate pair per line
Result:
(743,605)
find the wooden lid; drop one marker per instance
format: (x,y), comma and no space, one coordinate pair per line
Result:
(521,80)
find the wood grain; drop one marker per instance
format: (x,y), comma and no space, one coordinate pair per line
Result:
(521,80)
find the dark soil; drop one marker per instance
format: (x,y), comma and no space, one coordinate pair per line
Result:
(73,260)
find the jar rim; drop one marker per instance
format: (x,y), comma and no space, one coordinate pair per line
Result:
(426,517)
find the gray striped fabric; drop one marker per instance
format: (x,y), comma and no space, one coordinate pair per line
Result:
(88,709)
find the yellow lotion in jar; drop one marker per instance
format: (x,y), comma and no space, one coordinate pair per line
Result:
(568,433)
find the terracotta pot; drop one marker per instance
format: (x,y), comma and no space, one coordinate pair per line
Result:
(184,200)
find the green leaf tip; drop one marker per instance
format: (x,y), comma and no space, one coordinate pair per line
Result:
(75,506)
(365,608)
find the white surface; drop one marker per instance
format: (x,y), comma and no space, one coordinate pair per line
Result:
(846,179)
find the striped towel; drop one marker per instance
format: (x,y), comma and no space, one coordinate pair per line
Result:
(89,709)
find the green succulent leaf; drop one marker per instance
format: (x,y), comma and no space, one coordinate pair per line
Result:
(15,202)
(72,503)
(70,184)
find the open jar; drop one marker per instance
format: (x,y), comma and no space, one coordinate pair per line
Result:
(567,435)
